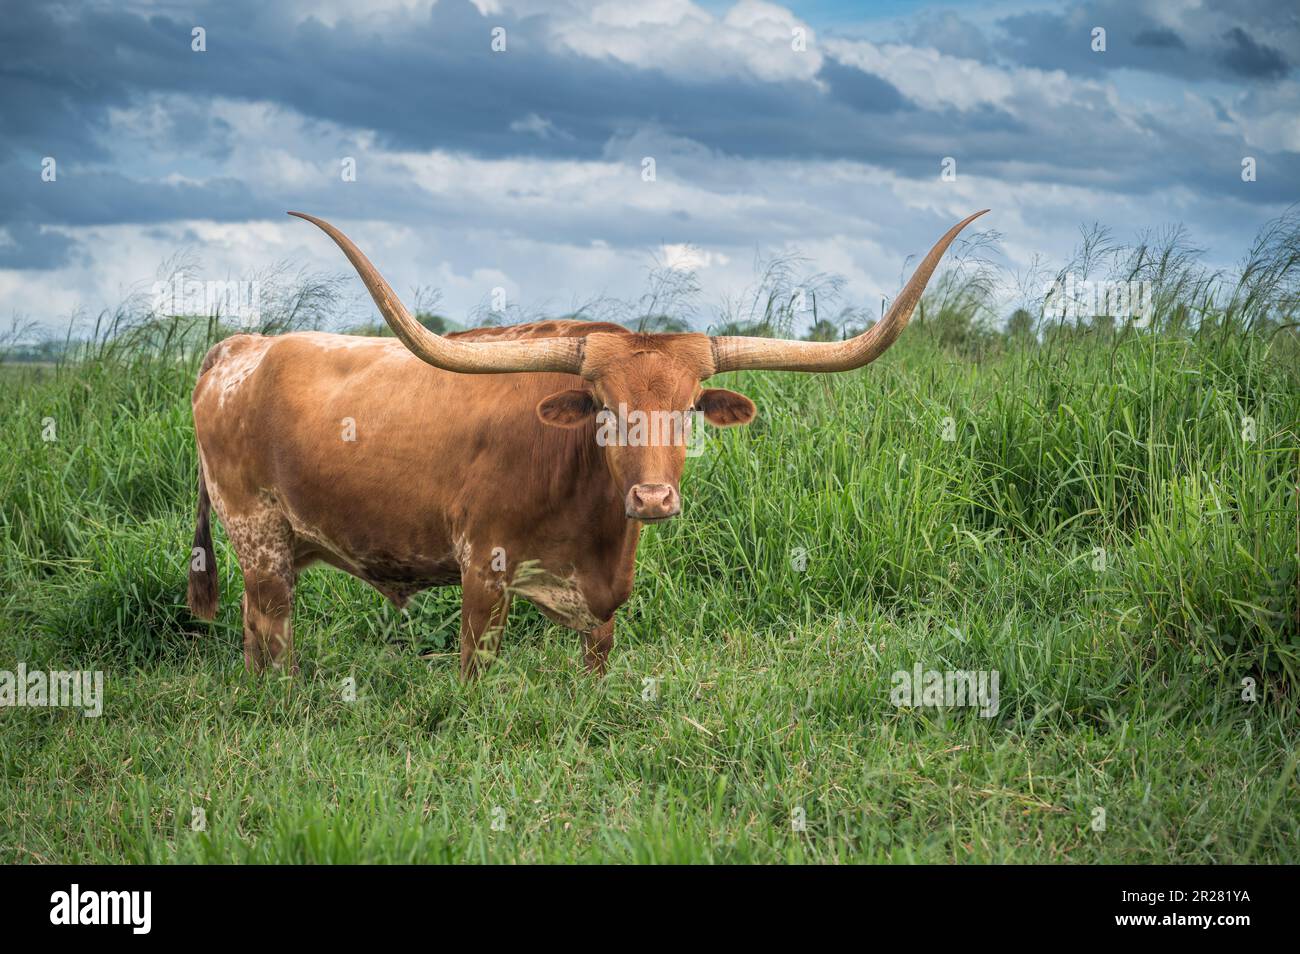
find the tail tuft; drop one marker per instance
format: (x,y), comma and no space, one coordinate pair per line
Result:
(202,595)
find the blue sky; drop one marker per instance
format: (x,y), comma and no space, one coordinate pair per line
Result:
(522,170)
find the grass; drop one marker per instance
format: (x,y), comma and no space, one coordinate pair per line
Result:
(1108,518)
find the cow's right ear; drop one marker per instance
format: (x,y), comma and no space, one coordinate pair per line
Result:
(567,408)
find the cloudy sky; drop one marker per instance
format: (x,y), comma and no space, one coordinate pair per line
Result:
(814,127)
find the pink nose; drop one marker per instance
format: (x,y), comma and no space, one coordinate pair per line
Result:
(653,502)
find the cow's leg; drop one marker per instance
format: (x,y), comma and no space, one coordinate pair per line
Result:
(264,544)
(483,611)
(596,645)
(268,626)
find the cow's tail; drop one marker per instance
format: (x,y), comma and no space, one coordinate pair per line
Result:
(203,561)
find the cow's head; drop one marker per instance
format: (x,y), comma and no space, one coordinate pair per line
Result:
(644,395)
(651,380)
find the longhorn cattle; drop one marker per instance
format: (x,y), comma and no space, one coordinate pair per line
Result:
(469,459)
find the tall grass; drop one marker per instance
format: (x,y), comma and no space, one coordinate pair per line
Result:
(1105,514)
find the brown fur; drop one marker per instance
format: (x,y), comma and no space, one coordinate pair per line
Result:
(451,478)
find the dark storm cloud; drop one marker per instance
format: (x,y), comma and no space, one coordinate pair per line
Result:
(1221,41)
(94,197)
(862,91)
(1248,58)
(432,82)
(31,247)
(1159,38)
(87,197)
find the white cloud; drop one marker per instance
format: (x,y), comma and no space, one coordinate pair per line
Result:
(752,38)
(534,125)
(1269,118)
(935,80)
(331,12)
(689,258)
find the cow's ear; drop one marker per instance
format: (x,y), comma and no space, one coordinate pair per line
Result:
(567,408)
(723,408)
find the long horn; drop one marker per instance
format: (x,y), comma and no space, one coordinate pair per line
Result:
(732,353)
(467,357)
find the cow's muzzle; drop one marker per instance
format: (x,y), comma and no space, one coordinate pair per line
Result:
(653,502)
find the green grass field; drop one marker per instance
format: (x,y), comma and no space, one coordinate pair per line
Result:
(1106,518)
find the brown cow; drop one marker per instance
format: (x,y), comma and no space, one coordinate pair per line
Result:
(468,459)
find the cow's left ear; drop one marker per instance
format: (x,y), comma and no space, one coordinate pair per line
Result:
(567,408)
(723,408)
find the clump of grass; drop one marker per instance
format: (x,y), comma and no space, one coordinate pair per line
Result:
(1220,583)
(123,603)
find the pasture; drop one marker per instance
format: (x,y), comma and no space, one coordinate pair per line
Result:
(1104,515)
